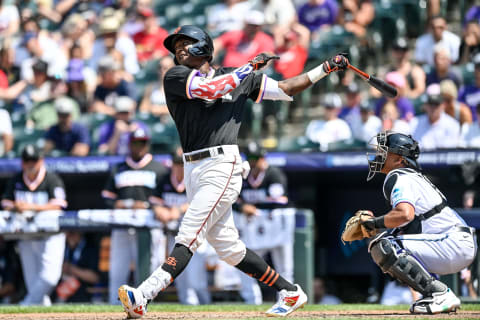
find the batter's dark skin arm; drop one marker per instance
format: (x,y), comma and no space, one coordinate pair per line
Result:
(294,85)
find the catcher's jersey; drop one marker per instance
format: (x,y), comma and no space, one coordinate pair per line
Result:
(267,191)
(408,185)
(132,180)
(172,192)
(46,188)
(201,123)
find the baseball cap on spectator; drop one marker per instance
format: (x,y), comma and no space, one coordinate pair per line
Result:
(433,95)
(124,104)
(353,87)
(64,105)
(396,79)
(145,12)
(367,105)
(400,44)
(110,24)
(40,66)
(75,70)
(255,17)
(31,153)
(332,101)
(108,63)
(139,134)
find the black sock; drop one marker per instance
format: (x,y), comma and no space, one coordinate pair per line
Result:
(178,260)
(257,268)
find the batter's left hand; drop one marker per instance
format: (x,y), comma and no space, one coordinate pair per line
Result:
(337,63)
(261,60)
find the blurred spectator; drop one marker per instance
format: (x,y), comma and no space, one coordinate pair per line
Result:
(395,293)
(77,85)
(470,44)
(368,124)
(350,111)
(154,100)
(133,20)
(9,71)
(67,136)
(149,41)
(320,293)
(438,35)
(468,287)
(435,129)
(80,269)
(227,16)
(67,7)
(76,32)
(278,13)
(9,20)
(390,118)
(6,133)
(403,104)
(356,15)
(468,201)
(331,128)
(11,281)
(38,45)
(471,133)
(41,88)
(414,74)
(33,190)
(111,38)
(470,94)
(114,135)
(132,184)
(110,87)
(292,47)
(442,67)
(318,14)
(473,14)
(456,109)
(243,45)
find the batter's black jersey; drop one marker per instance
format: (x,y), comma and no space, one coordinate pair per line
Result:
(201,123)
(132,180)
(48,187)
(267,191)
(173,194)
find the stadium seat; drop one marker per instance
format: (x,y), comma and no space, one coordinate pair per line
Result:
(24,136)
(164,138)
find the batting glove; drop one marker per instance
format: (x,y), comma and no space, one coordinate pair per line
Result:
(261,60)
(337,63)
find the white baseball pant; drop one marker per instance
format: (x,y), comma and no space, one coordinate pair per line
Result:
(42,262)
(213,185)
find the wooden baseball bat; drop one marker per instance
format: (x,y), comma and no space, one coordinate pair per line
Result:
(375,82)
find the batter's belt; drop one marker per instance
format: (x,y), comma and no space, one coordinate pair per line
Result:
(203,154)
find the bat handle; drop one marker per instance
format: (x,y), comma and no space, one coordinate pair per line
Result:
(360,72)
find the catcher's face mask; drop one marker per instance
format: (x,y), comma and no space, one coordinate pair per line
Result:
(376,160)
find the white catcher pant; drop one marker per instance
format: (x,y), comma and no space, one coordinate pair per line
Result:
(42,262)
(443,253)
(213,185)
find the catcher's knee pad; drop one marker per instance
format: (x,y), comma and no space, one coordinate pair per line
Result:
(404,267)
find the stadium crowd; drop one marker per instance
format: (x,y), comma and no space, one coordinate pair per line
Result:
(78,77)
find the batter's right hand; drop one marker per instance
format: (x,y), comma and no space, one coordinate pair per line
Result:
(337,63)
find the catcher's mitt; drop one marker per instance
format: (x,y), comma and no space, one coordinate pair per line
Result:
(354,230)
(261,60)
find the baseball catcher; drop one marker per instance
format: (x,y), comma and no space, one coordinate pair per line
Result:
(425,236)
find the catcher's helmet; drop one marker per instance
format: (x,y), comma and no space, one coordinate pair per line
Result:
(203,46)
(394,142)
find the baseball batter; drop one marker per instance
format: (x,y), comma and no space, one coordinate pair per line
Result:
(428,236)
(207,106)
(33,190)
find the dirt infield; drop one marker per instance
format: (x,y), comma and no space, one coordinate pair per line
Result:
(351,314)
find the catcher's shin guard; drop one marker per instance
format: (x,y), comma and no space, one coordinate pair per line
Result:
(405,268)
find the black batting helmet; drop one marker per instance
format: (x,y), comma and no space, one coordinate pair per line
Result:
(203,46)
(394,142)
